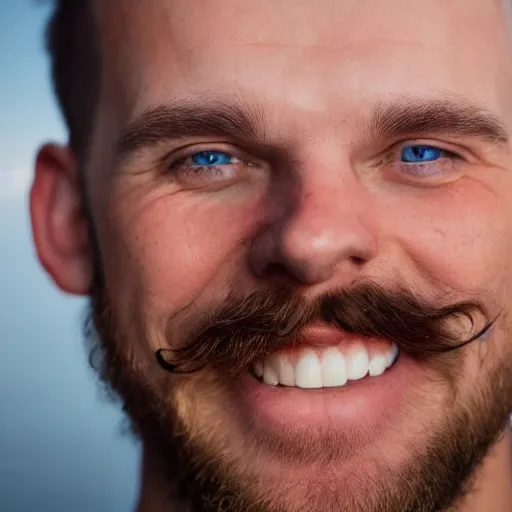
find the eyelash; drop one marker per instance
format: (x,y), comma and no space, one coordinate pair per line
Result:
(183,165)
(421,170)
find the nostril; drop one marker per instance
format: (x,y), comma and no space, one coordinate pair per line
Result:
(275,270)
(357,261)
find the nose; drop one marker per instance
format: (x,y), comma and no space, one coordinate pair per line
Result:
(326,229)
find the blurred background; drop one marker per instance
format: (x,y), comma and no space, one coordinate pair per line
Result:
(61,446)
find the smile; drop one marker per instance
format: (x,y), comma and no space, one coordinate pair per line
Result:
(326,367)
(328,377)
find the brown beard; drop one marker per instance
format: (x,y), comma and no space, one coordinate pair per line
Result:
(227,340)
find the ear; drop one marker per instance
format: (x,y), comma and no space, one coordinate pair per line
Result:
(59,223)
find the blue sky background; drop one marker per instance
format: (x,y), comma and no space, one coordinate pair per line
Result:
(60,446)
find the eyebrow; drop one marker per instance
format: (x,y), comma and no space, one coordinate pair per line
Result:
(457,116)
(189,119)
(243,122)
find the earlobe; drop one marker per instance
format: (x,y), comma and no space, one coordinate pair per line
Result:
(59,222)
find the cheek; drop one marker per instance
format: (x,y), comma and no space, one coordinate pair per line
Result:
(461,236)
(173,248)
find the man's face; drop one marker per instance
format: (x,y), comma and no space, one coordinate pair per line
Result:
(243,148)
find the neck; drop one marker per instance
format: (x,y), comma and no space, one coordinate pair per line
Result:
(492,489)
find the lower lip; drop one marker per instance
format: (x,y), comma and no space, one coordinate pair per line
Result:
(363,405)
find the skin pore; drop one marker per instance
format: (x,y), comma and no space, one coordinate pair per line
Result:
(241,148)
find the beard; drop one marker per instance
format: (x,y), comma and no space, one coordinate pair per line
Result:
(207,449)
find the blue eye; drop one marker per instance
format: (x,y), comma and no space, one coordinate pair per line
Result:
(209,167)
(211,158)
(418,154)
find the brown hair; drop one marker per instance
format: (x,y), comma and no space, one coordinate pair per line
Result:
(73,45)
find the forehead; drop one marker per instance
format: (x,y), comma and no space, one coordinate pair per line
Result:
(313,56)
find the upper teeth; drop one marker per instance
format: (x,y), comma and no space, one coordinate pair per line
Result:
(328,367)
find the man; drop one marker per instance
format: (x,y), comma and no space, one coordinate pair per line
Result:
(294,223)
